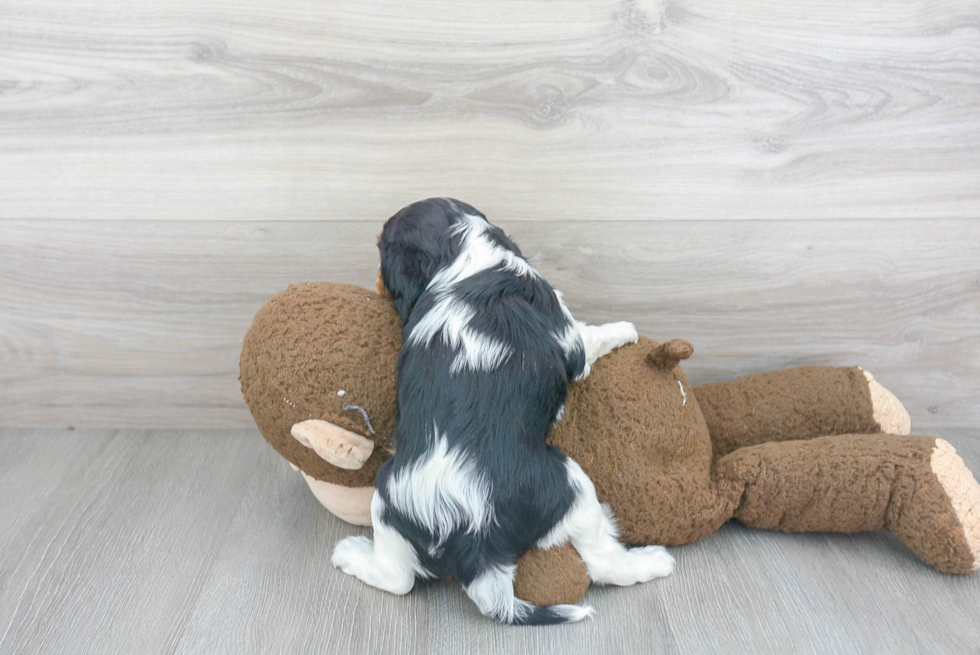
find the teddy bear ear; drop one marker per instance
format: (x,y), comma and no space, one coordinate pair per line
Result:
(669,354)
(333,444)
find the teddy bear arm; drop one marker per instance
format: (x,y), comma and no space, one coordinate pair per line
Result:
(915,487)
(797,403)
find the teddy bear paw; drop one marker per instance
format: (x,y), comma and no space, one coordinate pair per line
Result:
(961,553)
(887,410)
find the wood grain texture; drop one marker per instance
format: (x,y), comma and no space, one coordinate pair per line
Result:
(112,533)
(166,167)
(574,110)
(140,324)
(207,542)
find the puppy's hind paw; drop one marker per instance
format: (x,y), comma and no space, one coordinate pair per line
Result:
(352,554)
(651,562)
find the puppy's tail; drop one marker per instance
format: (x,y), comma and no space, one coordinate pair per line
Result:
(493,593)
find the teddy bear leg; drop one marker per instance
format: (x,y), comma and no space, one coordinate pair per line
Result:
(797,403)
(916,487)
(887,410)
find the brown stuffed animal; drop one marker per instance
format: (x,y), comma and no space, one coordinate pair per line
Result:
(804,449)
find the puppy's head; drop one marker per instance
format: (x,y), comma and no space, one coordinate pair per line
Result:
(415,244)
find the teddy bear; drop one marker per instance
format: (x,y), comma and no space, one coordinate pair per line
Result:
(804,449)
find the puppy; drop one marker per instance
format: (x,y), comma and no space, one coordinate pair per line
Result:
(489,350)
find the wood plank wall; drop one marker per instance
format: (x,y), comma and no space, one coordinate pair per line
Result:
(781,183)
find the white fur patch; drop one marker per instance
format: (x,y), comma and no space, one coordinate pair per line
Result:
(591,528)
(388,562)
(443,491)
(586,501)
(596,340)
(564,307)
(478,253)
(560,414)
(570,338)
(450,318)
(493,593)
(600,340)
(480,352)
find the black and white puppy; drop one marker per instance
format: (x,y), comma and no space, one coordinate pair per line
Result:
(489,350)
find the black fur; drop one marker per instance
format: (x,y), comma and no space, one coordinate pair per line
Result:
(415,244)
(500,418)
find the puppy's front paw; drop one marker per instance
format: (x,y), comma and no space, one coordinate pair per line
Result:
(621,333)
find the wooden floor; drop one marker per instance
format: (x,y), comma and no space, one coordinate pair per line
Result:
(128,541)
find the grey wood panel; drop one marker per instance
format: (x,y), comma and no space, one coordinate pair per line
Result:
(575,110)
(110,555)
(207,542)
(140,324)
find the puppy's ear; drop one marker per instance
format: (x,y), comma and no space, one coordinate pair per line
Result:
(415,243)
(406,273)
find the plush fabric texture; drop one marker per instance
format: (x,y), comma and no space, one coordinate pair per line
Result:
(306,344)
(551,577)
(637,431)
(674,463)
(795,403)
(850,483)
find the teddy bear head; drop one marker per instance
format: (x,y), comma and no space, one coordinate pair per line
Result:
(326,351)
